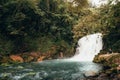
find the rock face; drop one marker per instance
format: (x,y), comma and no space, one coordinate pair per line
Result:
(111,60)
(41,58)
(106,57)
(16,58)
(26,57)
(29,59)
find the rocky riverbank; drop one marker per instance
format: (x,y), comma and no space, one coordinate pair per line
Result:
(108,60)
(29,57)
(104,76)
(111,67)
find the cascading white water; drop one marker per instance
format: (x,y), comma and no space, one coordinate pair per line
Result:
(88,47)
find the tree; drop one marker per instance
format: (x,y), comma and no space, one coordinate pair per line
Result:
(25,23)
(112,23)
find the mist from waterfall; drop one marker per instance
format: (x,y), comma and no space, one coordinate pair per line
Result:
(88,47)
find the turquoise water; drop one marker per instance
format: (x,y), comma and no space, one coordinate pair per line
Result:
(48,70)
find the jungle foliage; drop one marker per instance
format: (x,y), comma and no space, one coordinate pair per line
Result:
(39,25)
(106,20)
(25,23)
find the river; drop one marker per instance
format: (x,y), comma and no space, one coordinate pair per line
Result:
(49,70)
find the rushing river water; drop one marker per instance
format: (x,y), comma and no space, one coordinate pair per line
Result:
(48,70)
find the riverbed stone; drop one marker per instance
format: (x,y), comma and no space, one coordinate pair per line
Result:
(90,74)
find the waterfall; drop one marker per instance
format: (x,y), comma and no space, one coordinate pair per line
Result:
(88,47)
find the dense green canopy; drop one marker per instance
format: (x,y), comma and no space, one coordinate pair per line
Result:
(39,25)
(25,23)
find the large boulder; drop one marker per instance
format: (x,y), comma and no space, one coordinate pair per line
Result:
(111,60)
(16,58)
(90,74)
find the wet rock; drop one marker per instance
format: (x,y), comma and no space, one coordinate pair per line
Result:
(29,59)
(41,58)
(105,57)
(16,58)
(5,59)
(118,68)
(90,74)
(103,75)
(35,54)
(110,60)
